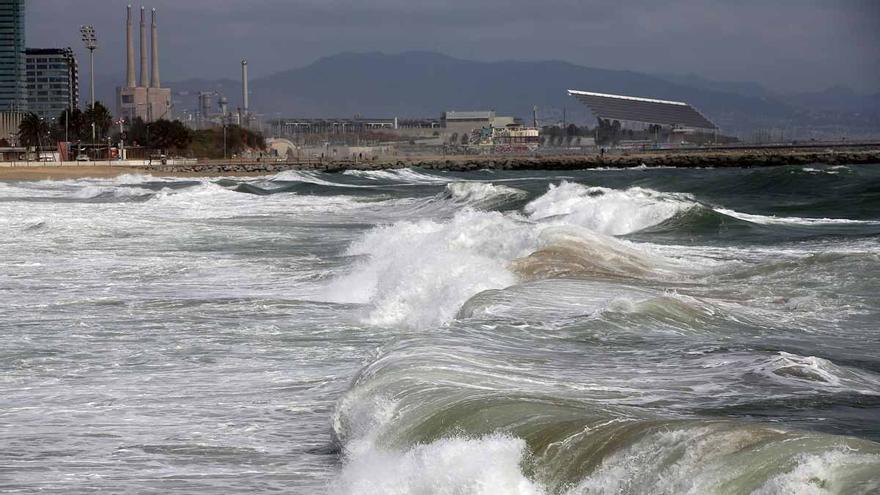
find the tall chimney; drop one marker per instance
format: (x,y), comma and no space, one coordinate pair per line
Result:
(155,53)
(130,78)
(145,71)
(244,86)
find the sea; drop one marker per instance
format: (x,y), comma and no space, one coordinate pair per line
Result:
(637,331)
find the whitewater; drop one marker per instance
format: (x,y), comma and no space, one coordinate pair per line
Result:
(642,331)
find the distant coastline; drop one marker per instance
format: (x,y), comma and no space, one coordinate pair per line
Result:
(679,159)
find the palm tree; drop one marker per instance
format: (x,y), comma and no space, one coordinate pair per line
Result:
(100,117)
(32,131)
(70,125)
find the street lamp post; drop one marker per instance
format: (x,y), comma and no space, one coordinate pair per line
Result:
(91,41)
(122,156)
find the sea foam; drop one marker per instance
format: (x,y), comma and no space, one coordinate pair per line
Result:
(609,211)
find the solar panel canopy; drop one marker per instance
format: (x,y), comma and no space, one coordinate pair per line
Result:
(645,110)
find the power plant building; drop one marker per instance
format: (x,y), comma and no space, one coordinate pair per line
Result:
(146,99)
(467,122)
(52,81)
(13,85)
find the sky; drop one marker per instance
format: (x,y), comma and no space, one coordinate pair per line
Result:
(786,45)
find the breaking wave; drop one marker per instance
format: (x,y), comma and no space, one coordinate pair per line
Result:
(581,253)
(450,427)
(478,466)
(403,175)
(481,194)
(318,178)
(609,211)
(419,273)
(814,371)
(774,220)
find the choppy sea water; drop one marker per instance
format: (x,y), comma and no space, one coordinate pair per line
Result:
(610,331)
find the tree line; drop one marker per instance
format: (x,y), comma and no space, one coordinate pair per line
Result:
(167,136)
(70,125)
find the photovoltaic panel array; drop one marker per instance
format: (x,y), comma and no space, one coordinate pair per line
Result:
(646,110)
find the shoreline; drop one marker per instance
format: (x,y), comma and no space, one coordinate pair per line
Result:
(689,159)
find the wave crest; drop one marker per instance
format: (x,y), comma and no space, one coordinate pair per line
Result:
(586,254)
(609,211)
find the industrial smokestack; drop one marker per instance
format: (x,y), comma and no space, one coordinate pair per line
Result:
(130,78)
(244,86)
(155,53)
(145,70)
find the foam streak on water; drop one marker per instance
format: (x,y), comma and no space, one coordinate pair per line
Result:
(409,331)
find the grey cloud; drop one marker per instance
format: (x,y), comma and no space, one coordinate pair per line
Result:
(797,44)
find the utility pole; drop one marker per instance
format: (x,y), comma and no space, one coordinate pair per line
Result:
(91,41)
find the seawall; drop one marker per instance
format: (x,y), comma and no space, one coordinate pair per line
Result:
(460,163)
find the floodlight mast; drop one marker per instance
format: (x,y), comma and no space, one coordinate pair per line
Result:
(90,40)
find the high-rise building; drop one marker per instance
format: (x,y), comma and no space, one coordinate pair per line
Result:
(52,81)
(149,100)
(13,88)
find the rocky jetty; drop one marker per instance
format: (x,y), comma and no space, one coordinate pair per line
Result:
(693,159)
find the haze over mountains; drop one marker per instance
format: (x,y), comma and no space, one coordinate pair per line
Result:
(424,84)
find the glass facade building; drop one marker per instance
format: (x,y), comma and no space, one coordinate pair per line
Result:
(52,81)
(13,86)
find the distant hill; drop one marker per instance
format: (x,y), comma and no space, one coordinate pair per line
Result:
(419,84)
(745,88)
(839,99)
(424,84)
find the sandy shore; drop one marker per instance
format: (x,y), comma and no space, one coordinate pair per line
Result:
(43,173)
(96,171)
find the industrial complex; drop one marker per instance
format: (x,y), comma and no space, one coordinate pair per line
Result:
(146,100)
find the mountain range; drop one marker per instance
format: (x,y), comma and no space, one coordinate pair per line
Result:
(424,84)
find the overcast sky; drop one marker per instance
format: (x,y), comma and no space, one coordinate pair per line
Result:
(783,44)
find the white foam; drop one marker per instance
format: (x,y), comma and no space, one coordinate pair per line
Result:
(405,175)
(645,467)
(825,473)
(609,211)
(835,170)
(460,466)
(86,188)
(308,177)
(774,220)
(700,460)
(419,273)
(816,372)
(481,192)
